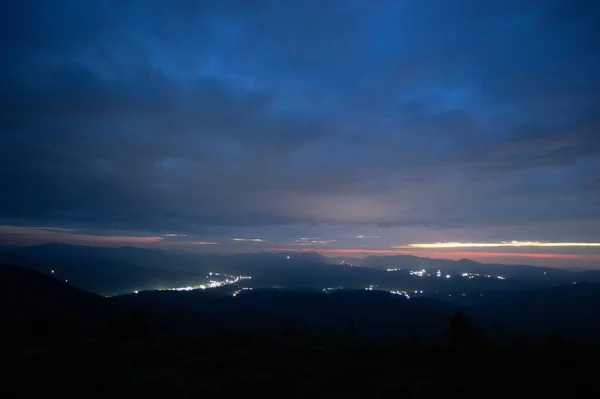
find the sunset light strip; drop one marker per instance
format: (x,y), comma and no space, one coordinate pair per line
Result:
(499,244)
(439,255)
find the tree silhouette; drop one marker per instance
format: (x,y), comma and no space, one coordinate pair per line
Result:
(352,328)
(287,329)
(307,330)
(460,330)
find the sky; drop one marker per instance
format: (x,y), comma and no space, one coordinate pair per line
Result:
(342,126)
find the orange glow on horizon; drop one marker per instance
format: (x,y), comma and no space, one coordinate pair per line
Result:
(84,239)
(446,255)
(461,255)
(499,244)
(347,251)
(43,235)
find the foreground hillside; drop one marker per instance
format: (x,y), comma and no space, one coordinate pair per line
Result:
(271,366)
(61,341)
(39,306)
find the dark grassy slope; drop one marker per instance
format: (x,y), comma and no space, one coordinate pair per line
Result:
(219,366)
(294,355)
(568,310)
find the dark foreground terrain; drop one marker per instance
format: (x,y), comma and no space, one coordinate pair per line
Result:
(297,367)
(59,341)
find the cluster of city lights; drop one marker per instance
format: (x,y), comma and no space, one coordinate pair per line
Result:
(329,289)
(405,293)
(211,283)
(473,275)
(423,272)
(237,292)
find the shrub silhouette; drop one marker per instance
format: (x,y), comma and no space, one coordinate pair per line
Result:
(461,331)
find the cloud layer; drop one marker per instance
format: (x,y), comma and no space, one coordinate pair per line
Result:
(231,119)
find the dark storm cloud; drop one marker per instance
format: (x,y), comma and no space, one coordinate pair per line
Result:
(170,117)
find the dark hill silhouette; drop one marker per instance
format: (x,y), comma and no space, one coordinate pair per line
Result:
(27,294)
(568,310)
(369,313)
(470,266)
(261,341)
(113,271)
(107,271)
(590,276)
(36,307)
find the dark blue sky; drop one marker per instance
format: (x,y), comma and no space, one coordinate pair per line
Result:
(338,124)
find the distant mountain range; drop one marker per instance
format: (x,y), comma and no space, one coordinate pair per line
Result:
(34,304)
(467,266)
(107,271)
(113,271)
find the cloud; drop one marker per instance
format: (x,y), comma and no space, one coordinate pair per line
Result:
(202,116)
(199,243)
(33,236)
(51,229)
(305,241)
